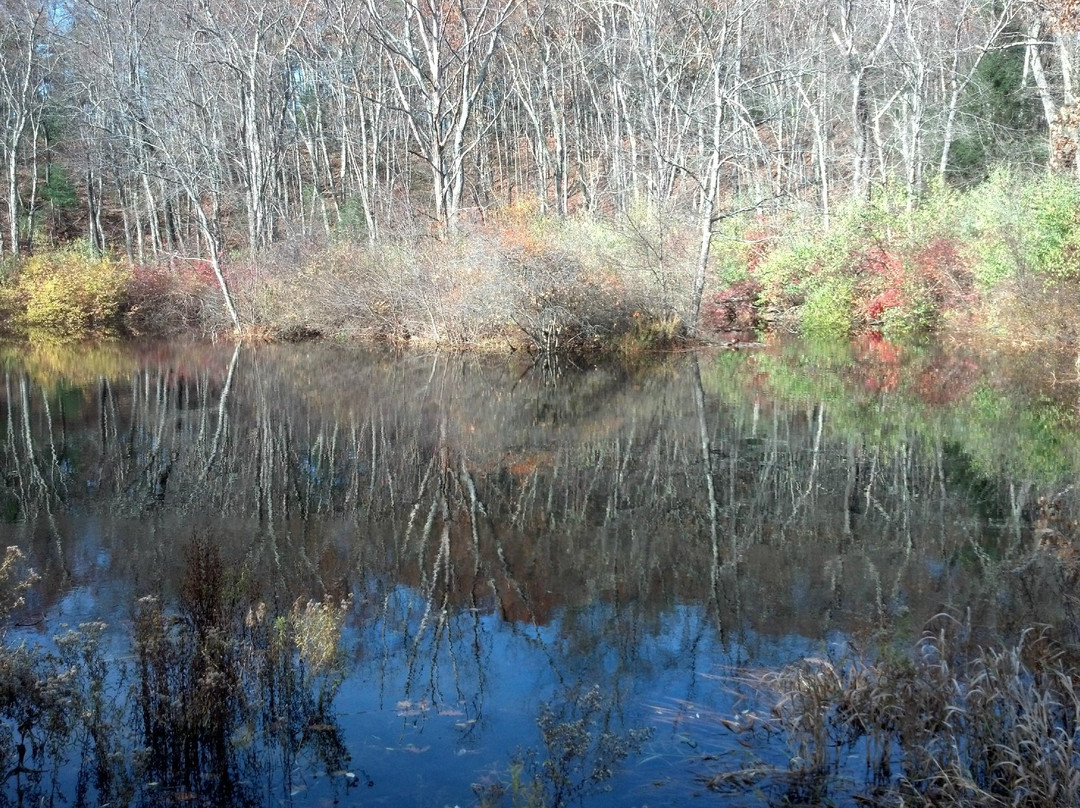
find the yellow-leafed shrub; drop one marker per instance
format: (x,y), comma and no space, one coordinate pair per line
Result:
(72,292)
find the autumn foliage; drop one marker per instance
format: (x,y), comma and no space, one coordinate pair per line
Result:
(70,292)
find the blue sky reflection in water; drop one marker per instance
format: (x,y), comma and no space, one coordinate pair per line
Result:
(459,721)
(425,724)
(524,552)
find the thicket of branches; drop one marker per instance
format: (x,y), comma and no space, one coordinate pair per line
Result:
(186,129)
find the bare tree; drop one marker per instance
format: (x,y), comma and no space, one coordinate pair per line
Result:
(201,128)
(861,29)
(24,28)
(971,37)
(442,54)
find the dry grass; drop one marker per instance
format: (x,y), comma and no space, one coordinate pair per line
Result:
(15,581)
(317,630)
(950,723)
(520,283)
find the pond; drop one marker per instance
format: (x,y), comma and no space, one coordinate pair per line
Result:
(315,575)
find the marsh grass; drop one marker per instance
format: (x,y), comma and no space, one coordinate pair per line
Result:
(950,722)
(223,678)
(219,693)
(16,579)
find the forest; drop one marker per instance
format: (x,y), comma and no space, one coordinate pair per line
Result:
(558,175)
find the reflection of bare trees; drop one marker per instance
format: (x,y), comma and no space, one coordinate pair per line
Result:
(580,749)
(227,689)
(492,491)
(445,495)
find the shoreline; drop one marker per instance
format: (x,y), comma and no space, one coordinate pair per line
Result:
(1000,261)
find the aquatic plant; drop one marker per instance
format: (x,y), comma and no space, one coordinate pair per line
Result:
(581,750)
(40,698)
(949,722)
(222,678)
(16,579)
(216,691)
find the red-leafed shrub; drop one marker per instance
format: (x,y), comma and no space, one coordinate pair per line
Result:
(170,296)
(878,261)
(942,268)
(735,308)
(883,284)
(874,309)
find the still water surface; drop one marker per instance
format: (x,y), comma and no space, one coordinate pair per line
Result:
(556,583)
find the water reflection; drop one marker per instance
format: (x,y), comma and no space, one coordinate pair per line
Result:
(539,568)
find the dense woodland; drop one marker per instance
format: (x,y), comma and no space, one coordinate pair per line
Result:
(211,129)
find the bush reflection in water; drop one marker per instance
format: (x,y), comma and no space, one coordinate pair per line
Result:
(225,703)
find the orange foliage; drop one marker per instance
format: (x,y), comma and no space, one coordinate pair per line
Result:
(1064,15)
(525,464)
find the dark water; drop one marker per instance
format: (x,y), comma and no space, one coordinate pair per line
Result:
(555,583)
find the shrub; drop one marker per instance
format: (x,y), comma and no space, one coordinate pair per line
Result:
(741,243)
(916,315)
(15,580)
(827,311)
(735,308)
(944,723)
(1052,243)
(1022,228)
(782,272)
(897,293)
(171,297)
(881,266)
(72,292)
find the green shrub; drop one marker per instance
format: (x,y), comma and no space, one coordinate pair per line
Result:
(783,272)
(827,311)
(72,292)
(1024,227)
(1052,232)
(988,221)
(917,315)
(938,214)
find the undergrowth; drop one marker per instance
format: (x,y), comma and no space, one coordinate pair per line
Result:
(210,679)
(989,258)
(948,722)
